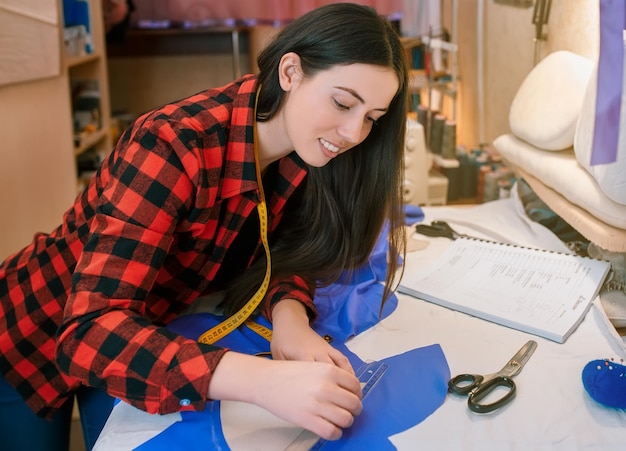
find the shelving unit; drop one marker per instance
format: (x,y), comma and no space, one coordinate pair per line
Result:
(442,80)
(88,67)
(445,82)
(427,81)
(431,79)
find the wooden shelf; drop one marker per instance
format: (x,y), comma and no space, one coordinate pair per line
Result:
(90,69)
(408,42)
(73,61)
(90,140)
(418,80)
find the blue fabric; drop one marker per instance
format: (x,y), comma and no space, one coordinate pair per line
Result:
(413,387)
(605,381)
(413,214)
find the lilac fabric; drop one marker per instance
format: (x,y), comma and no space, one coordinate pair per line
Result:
(610,80)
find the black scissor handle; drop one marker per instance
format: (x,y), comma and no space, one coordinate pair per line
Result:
(437,229)
(464,383)
(473,401)
(443,225)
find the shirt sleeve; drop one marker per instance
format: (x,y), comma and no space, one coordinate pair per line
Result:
(294,287)
(106,341)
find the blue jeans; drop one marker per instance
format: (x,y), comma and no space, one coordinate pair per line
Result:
(21,429)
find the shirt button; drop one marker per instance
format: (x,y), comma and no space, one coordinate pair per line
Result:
(185,402)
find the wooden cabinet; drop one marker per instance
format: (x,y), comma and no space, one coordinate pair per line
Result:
(38,170)
(84,65)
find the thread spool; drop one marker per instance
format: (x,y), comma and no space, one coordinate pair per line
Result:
(422,116)
(454,182)
(448,142)
(415,101)
(480,190)
(436,133)
(469,175)
(504,188)
(451,170)
(490,191)
(505,172)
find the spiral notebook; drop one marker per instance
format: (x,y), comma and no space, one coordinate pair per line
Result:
(541,292)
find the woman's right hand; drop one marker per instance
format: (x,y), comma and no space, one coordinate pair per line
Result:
(318,396)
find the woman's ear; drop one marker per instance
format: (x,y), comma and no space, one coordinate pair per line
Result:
(289,71)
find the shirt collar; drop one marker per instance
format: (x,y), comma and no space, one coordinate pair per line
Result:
(240,151)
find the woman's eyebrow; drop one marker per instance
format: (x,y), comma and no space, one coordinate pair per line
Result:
(358,97)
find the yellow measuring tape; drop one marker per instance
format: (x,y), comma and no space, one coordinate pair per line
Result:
(236,320)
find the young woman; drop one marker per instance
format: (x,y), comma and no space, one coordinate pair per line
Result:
(171,216)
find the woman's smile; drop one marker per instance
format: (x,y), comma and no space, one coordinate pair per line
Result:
(328,146)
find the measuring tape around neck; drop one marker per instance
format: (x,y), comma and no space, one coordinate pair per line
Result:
(233,322)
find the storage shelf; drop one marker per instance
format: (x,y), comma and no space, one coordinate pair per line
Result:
(90,140)
(88,71)
(447,88)
(418,80)
(73,61)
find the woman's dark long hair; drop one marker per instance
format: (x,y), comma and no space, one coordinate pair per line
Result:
(334,225)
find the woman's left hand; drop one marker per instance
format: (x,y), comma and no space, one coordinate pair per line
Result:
(294,339)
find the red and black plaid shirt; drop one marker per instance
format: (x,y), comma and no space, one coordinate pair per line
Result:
(140,244)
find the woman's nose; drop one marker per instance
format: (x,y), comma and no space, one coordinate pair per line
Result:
(352,130)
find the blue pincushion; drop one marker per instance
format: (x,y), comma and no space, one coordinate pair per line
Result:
(605,381)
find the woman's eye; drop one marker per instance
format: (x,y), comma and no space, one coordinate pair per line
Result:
(340,105)
(343,107)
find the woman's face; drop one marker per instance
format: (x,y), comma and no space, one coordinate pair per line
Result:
(334,110)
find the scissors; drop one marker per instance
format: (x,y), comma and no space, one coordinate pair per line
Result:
(477,387)
(438,229)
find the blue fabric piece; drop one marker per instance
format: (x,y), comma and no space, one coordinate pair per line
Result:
(349,307)
(339,306)
(414,385)
(413,214)
(605,381)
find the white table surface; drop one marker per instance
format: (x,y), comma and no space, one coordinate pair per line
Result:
(550,412)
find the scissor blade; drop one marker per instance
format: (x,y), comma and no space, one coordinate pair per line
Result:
(520,358)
